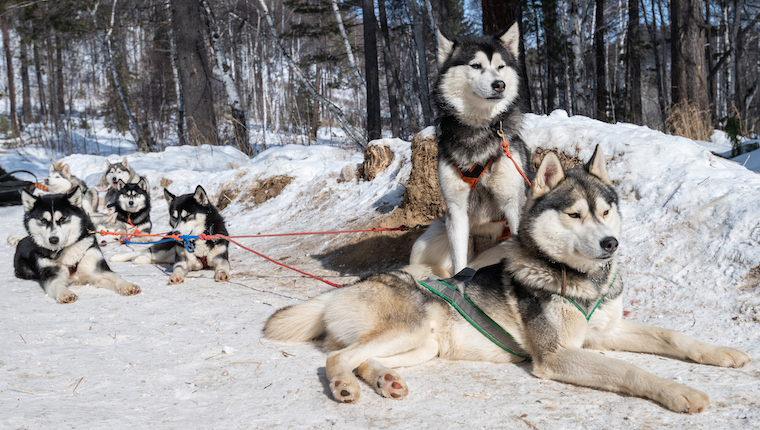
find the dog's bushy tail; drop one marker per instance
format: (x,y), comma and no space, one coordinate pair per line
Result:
(298,323)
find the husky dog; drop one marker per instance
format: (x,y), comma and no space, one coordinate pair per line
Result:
(481,158)
(557,291)
(190,215)
(61,181)
(60,249)
(114,173)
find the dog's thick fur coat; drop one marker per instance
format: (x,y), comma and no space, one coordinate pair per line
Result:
(61,250)
(559,266)
(475,95)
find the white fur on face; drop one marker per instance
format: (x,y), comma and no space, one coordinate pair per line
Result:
(573,237)
(191,224)
(67,229)
(468,88)
(115,173)
(57,183)
(131,202)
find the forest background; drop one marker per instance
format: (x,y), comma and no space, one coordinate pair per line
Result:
(167,72)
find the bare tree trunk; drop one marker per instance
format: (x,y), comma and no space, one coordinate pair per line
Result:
(688,53)
(347,46)
(552,51)
(653,29)
(374,124)
(11,83)
(427,110)
(600,87)
(233,98)
(60,103)
(134,126)
(315,112)
(177,81)
(355,134)
(391,80)
(26,93)
(633,62)
(576,35)
(195,72)
(40,83)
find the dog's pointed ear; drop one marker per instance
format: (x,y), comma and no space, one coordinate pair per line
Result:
(597,166)
(125,162)
(66,171)
(549,174)
(121,185)
(445,48)
(28,199)
(143,183)
(75,197)
(51,170)
(169,196)
(511,40)
(200,196)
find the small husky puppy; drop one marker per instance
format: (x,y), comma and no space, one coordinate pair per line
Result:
(61,181)
(114,173)
(61,250)
(556,294)
(483,184)
(189,215)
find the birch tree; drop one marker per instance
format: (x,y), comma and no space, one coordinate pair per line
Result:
(233,98)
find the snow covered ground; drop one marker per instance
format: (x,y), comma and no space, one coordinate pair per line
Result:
(192,356)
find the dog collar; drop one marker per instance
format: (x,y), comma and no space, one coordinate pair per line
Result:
(585,312)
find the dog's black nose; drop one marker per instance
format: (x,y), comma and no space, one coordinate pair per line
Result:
(609,244)
(499,86)
(53,240)
(131,202)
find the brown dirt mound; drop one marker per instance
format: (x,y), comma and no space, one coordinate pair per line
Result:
(226,196)
(381,251)
(567,161)
(376,159)
(267,189)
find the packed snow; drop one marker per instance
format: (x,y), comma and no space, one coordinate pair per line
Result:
(192,355)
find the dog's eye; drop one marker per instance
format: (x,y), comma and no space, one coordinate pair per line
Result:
(475,66)
(574,215)
(62,219)
(502,66)
(606,212)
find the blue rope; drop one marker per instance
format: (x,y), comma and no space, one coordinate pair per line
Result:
(187,241)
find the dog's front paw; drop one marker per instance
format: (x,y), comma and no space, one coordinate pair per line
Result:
(66,296)
(390,385)
(724,357)
(176,279)
(129,290)
(345,388)
(221,276)
(685,399)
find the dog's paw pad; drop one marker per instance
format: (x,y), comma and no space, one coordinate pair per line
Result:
(345,391)
(176,279)
(129,290)
(67,297)
(221,276)
(390,385)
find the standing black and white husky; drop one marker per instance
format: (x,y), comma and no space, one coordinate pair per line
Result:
(61,250)
(476,96)
(557,293)
(190,215)
(133,206)
(114,173)
(61,181)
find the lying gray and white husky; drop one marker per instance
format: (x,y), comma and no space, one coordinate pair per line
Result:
(557,292)
(189,214)
(60,248)
(476,95)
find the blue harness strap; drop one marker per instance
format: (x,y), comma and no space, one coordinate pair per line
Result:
(444,289)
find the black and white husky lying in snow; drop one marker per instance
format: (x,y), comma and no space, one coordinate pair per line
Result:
(60,248)
(191,215)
